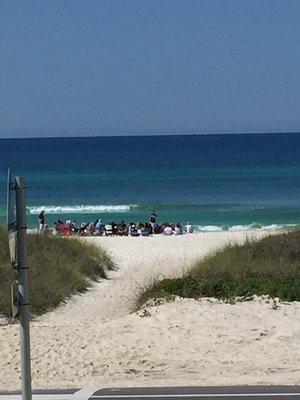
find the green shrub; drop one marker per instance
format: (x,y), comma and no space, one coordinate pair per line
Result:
(58,268)
(270,266)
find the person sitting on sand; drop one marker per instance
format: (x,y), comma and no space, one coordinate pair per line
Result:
(90,228)
(73,227)
(147,227)
(177,229)
(108,230)
(82,228)
(189,228)
(168,230)
(99,227)
(121,229)
(145,230)
(130,226)
(66,229)
(125,228)
(133,230)
(114,227)
(139,227)
(59,226)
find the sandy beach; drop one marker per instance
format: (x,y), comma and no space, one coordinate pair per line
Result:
(96,340)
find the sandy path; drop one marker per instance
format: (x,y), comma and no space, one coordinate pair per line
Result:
(138,260)
(93,340)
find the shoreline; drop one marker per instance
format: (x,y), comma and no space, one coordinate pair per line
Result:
(247,228)
(95,339)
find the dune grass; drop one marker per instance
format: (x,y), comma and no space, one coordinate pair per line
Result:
(59,267)
(270,266)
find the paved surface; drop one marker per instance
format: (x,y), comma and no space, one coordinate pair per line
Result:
(278,393)
(59,394)
(167,393)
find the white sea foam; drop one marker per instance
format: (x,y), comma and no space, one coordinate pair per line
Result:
(239,228)
(279,226)
(82,209)
(243,227)
(209,228)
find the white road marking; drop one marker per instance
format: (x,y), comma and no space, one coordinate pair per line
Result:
(82,394)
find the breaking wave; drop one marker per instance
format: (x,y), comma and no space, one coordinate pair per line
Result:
(82,209)
(250,227)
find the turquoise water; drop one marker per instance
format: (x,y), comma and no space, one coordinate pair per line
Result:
(216,181)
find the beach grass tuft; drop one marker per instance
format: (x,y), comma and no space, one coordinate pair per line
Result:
(270,266)
(59,268)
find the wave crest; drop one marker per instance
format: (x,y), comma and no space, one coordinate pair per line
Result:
(250,227)
(81,209)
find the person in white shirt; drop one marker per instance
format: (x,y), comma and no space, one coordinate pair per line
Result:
(189,228)
(177,229)
(168,231)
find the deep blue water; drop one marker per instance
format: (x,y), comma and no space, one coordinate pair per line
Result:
(212,180)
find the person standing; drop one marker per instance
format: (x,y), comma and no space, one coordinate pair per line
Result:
(189,228)
(153,218)
(41,220)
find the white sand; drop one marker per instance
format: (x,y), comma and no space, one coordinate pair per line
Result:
(93,340)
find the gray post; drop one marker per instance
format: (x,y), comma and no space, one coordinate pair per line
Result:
(23,288)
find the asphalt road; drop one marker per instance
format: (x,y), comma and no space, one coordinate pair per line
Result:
(167,393)
(202,393)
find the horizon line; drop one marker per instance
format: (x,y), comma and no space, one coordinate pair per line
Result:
(148,135)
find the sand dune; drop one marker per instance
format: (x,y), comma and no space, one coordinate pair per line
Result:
(94,339)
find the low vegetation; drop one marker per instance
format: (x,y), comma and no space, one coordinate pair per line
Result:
(270,266)
(59,267)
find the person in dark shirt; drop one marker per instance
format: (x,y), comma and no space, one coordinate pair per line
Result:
(114,227)
(41,220)
(153,218)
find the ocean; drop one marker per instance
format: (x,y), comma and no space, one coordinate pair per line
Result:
(218,182)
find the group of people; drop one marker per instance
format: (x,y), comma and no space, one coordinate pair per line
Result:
(99,228)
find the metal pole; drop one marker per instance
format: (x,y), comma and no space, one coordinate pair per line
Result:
(23,288)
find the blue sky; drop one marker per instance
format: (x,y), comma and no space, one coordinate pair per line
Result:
(83,68)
